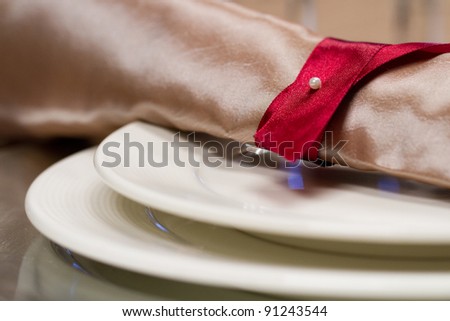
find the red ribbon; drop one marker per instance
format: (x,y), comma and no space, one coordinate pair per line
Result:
(295,121)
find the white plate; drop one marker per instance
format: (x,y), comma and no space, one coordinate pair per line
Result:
(335,203)
(69,204)
(50,272)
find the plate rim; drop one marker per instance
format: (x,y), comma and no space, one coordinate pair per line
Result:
(217,214)
(295,282)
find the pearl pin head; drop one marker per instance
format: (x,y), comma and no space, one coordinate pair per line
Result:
(315,83)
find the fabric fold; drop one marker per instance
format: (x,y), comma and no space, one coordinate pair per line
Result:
(84,68)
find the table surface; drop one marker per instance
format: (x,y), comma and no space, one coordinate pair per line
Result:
(33,268)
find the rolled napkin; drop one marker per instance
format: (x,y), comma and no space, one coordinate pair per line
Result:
(86,67)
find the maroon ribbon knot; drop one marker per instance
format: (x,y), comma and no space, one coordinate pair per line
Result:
(295,121)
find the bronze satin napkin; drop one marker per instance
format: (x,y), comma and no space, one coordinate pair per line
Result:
(86,67)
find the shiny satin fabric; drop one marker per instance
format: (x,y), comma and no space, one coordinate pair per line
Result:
(86,67)
(399,123)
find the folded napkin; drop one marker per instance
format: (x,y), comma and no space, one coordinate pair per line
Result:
(86,67)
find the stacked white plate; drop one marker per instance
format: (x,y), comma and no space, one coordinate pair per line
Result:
(198,216)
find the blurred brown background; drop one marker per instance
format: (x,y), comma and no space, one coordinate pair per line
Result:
(388,21)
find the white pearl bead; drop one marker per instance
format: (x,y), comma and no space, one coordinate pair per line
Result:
(315,83)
